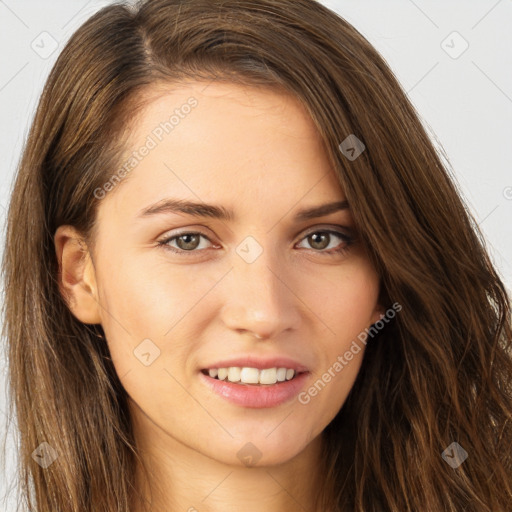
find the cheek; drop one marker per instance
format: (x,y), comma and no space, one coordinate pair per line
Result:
(343,354)
(353,295)
(329,390)
(145,314)
(351,302)
(144,298)
(150,302)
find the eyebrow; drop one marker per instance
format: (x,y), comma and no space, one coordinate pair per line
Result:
(219,212)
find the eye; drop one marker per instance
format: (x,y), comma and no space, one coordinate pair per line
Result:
(186,242)
(321,239)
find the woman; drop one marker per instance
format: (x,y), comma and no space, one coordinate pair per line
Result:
(238,275)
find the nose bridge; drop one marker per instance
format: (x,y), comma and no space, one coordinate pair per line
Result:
(258,299)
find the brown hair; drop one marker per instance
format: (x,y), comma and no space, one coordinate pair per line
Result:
(439,372)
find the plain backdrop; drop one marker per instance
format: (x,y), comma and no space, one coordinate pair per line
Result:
(453,58)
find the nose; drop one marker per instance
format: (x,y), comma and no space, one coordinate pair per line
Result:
(259,297)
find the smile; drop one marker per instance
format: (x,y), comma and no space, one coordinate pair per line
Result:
(254,376)
(251,394)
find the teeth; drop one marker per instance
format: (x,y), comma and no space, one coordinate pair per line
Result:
(269,376)
(247,375)
(281,374)
(250,375)
(234,374)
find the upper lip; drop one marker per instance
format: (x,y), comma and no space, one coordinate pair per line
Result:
(260,363)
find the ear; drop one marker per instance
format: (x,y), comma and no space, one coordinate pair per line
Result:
(77,276)
(378,313)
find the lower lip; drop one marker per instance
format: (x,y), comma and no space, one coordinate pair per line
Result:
(257,397)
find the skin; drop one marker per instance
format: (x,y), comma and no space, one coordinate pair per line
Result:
(257,152)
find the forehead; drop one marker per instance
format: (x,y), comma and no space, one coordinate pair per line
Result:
(200,112)
(221,142)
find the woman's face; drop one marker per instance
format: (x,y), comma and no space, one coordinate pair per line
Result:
(264,287)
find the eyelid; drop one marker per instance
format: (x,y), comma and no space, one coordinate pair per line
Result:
(328,227)
(199,230)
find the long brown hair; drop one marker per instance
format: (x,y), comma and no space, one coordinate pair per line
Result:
(439,372)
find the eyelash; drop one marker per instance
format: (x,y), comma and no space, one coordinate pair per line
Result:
(348,240)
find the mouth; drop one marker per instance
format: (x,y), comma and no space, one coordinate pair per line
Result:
(249,376)
(251,387)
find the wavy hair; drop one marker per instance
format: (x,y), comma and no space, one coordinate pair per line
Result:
(439,372)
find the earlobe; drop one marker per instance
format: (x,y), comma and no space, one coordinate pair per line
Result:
(77,276)
(378,314)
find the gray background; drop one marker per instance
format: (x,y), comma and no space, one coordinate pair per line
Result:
(464,98)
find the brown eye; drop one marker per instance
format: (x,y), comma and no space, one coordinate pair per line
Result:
(190,241)
(184,242)
(319,240)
